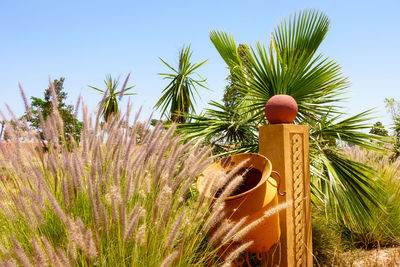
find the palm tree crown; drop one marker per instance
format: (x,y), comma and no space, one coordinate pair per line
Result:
(178,95)
(109,103)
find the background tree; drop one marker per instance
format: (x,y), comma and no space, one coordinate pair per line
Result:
(393,107)
(232,94)
(72,126)
(109,103)
(178,96)
(379,129)
(16,127)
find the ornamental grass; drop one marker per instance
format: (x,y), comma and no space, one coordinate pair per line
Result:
(382,227)
(123,195)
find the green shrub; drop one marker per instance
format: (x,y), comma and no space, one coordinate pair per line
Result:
(325,240)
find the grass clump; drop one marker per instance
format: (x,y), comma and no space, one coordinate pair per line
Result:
(113,199)
(334,240)
(382,227)
(325,240)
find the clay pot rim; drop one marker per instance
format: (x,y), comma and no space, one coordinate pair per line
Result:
(264,178)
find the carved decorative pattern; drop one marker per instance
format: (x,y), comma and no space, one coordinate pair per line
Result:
(299,209)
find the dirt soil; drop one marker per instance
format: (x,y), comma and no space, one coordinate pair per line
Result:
(387,257)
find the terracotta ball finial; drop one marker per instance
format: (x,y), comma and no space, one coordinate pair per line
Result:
(281,109)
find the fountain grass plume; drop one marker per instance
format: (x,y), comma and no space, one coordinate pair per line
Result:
(119,197)
(235,253)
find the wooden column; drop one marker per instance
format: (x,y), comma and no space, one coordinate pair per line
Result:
(287,147)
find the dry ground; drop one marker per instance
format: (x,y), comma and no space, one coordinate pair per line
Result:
(384,257)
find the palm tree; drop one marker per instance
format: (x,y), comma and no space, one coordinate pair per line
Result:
(178,95)
(109,103)
(291,65)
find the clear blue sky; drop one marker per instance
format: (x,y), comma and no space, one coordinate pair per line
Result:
(85,40)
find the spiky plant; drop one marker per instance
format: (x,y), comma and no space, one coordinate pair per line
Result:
(109,103)
(178,96)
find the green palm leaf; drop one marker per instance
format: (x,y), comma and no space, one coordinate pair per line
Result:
(348,188)
(223,127)
(178,96)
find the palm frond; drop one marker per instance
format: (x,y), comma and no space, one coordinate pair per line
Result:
(286,67)
(178,96)
(226,46)
(302,33)
(222,124)
(349,187)
(351,130)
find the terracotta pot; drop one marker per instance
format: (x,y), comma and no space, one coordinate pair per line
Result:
(253,202)
(281,109)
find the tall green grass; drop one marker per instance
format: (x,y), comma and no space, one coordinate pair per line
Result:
(114,199)
(381,228)
(332,238)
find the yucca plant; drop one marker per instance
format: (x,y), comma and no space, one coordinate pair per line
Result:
(291,65)
(109,103)
(110,201)
(179,95)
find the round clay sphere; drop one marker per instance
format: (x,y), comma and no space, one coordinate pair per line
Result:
(281,109)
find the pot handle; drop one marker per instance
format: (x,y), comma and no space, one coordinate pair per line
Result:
(279,182)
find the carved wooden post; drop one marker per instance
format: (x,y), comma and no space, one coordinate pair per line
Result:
(287,147)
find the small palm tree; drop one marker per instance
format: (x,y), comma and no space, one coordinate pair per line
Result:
(290,65)
(178,95)
(109,103)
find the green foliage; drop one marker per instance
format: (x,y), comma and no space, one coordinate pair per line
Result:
(326,242)
(393,107)
(233,95)
(109,104)
(379,129)
(178,96)
(72,127)
(222,127)
(382,227)
(291,65)
(331,237)
(396,143)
